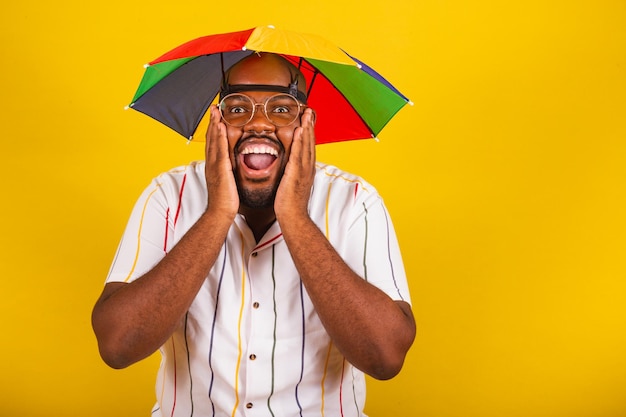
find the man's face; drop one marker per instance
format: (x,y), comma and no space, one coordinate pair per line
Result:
(259,150)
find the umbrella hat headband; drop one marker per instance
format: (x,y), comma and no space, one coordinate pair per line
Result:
(292,90)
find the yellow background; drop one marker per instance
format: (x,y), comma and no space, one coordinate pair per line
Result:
(506,183)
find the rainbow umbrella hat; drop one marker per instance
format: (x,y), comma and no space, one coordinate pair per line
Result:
(352,101)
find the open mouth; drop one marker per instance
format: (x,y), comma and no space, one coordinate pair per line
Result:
(258,157)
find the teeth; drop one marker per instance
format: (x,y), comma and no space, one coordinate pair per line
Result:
(259,149)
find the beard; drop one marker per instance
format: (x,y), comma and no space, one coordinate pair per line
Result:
(261,198)
(257,199)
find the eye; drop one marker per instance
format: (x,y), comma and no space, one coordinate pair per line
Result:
(236,104)
(282,104)
(281,109)
(238,109)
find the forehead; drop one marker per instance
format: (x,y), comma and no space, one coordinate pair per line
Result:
(263,69)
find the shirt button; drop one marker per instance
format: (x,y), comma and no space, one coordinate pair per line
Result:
(249,405)
(254,254)
(255,304)
(252,357)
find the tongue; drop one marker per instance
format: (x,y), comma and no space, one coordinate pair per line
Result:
(258,160)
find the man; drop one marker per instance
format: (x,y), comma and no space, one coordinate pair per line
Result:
(270,283)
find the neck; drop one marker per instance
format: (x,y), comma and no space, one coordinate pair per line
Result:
(259,220)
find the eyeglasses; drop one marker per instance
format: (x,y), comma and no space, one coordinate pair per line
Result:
(280,109)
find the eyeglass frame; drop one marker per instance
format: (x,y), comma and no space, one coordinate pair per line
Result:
(264,104)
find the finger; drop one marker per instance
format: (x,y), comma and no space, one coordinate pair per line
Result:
(216,142)
(211,133)
(308,135)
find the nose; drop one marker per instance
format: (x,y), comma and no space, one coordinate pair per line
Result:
(259,122)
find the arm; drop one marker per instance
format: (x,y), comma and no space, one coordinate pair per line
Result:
(371,330)
(131,321)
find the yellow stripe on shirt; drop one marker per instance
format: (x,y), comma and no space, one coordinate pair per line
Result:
(143,212)
(243,298)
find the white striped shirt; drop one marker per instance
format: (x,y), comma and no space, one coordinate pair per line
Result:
(251,343)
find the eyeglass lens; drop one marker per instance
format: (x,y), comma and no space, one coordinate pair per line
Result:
(280,109)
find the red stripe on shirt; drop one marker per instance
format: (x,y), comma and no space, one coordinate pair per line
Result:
(269,241)
(180,198)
